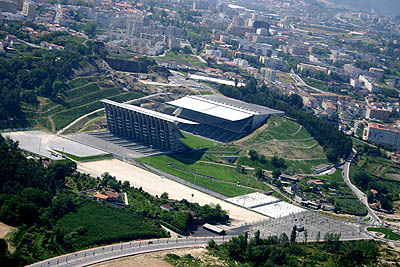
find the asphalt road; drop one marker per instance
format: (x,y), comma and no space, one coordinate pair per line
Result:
(106,253)
(360,195)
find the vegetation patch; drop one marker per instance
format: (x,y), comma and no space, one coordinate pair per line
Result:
(85,159)
(90,225)
(389,234)
(285,251)
(196,168)
(284,138)
(196,142)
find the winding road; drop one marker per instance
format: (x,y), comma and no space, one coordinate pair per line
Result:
(360,195)
(106,253)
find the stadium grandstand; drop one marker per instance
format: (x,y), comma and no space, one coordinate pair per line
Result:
(220,118)
(145,126)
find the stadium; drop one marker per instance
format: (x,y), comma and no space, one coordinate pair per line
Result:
(220,118)
(215,117)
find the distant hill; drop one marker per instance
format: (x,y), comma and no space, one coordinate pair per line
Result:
(382,7)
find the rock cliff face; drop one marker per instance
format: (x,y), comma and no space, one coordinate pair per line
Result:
(128,65)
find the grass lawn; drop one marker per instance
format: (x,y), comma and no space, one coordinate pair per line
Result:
(304,166)
(183,58)
(284,77)
(85,159)
(388,233)
(335,177)
(219,178)
(197,142)
(285,138)
(94,224)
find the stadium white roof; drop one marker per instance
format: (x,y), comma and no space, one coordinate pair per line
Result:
(149,112)
(213,108)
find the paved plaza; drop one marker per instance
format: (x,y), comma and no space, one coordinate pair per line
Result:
(122,148)
(42,143)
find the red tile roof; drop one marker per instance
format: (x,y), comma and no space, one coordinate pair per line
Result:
(99,195)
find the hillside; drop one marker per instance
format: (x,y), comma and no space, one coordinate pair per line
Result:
(285,139)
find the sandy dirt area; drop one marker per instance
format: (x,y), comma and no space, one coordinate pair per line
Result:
(5,229)
(156,185)
(151,259)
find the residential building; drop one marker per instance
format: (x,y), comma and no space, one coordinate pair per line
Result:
(268,74)
(382,134)
(378,113)
(29,10)
(329,107)
(8,6)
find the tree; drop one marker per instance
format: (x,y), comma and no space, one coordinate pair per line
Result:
(283,239)
(253,155)
(293,234)
(90,28)
(332,241)
(276,174)
(305,235)
(164,195)
(187,50)
(259,174)
(352,257)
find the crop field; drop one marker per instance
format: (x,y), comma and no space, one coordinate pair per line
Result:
(94,223)
(82,97)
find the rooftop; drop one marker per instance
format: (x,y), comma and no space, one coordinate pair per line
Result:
(222,107)
(384,127)
(149,112)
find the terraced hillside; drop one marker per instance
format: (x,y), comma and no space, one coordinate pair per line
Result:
(285,139)
(83,96)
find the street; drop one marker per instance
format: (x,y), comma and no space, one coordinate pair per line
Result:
(105,253)
(360,195)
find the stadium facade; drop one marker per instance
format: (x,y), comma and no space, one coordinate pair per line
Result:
(145,126)
(220,118)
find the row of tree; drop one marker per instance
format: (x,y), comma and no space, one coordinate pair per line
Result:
(282,251)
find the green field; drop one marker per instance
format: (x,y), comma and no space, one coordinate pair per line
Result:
(183,58)
(285,138)
(196,142)
(199,170)
(388,233)
(335,177)
(96,224)
(85,159)
(81,98)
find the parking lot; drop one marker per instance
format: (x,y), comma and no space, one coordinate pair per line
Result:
(42,143)
(308,222)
